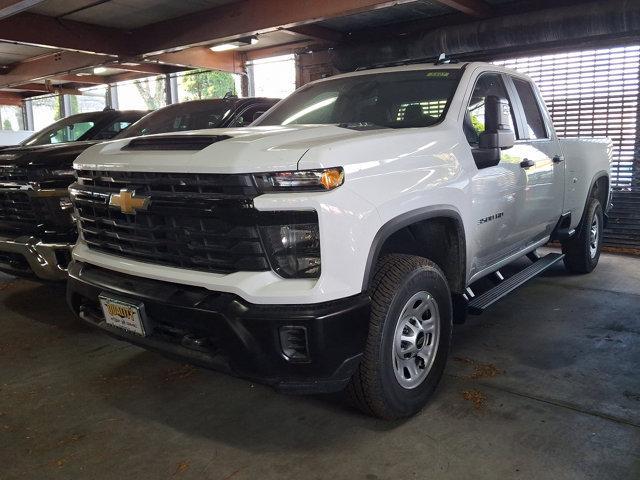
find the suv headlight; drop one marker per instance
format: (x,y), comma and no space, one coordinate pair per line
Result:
(319,180)
(294,249)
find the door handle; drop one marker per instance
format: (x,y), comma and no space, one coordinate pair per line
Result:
(558,159)
(526,163)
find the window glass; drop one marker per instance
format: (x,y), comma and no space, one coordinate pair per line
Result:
(111,130)
(92,100)
(70,133)
(273,77)
(247,116)
(474,123)
(203,84)
(145,94)
(179,117)
(46,110)
(408,99)
(535,122)
(11,118)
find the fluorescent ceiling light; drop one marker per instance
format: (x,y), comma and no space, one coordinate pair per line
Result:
(241,42)
(224,47)
(99,70)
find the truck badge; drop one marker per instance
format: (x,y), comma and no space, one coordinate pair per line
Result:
(127,201)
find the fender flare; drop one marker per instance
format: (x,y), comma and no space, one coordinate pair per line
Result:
(408,218)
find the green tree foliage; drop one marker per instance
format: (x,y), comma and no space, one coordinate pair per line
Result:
(207,84)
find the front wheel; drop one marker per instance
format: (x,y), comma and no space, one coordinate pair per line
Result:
(582,251)
(409,338)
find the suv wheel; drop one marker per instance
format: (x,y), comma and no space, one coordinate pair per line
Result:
(582,251)
(409,338)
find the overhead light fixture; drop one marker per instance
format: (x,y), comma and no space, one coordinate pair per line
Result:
(241,42)
(99,70)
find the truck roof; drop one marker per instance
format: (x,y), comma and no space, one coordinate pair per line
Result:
(424,66)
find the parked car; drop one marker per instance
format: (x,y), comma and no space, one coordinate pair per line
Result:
(201,114)
(36,229)
(332,244)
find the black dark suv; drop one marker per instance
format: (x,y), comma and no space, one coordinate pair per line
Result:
(36,225)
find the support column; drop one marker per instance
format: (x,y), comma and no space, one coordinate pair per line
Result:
(27,114)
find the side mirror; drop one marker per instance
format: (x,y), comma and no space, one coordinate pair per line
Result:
(497,134)
(257,115)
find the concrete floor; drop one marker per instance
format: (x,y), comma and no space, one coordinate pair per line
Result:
(545,385)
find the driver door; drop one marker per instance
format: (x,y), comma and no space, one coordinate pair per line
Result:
(497,192)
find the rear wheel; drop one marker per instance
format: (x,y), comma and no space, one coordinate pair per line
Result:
(582,251)
(409,338)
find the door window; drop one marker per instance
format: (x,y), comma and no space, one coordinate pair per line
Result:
(535,127)
(70,133)
(487,84)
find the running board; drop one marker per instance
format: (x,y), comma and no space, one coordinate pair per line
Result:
(480,303)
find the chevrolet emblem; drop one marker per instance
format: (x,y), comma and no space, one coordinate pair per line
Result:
(128,202)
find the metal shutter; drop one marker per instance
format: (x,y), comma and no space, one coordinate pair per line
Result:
(595,93)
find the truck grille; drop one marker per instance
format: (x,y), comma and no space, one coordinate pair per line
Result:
(13,175)
(16,209)
(195,221)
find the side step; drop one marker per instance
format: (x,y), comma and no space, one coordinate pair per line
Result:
(480,303)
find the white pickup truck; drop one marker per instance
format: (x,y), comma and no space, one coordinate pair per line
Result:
(333,243)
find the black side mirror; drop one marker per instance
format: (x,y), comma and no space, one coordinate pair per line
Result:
(497,134)
(257,115)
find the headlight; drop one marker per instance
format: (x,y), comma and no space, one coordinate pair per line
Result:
(294,250)
(300,181)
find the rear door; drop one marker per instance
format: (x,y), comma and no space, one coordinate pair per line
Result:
(538,151)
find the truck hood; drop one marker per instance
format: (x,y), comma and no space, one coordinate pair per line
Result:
(57,156)
(237,150)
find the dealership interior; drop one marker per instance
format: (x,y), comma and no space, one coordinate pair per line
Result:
(543,384)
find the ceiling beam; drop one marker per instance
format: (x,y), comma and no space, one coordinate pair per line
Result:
(9,8)
(475,8)
(47,66)
(278,50)
(42,31)
(247,17)
(318,32)
(84,79)
(14,99)
(144,67)
(202,57)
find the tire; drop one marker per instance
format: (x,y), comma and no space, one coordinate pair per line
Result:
(582,251)
(399,284)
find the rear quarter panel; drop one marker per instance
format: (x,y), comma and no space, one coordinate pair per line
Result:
(586,159)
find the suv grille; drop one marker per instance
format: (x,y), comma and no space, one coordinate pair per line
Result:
(194,221)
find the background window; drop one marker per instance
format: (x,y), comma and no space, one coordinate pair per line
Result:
(92,100)
(474,123)
(535,122)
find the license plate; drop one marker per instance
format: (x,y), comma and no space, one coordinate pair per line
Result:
(123,314)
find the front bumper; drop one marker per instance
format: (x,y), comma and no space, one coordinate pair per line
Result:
(224,332)
(27,255)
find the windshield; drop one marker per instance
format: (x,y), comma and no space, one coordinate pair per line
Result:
(404,99)
(95,126)
(182,117)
